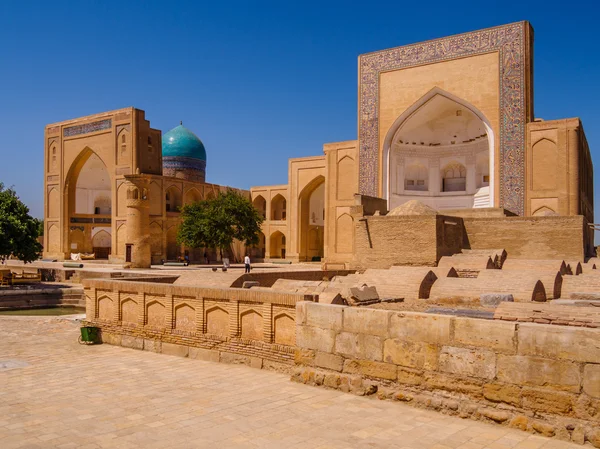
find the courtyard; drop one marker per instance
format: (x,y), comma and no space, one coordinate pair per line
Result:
(55,393)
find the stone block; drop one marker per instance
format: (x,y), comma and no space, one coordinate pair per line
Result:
(359,346)
(301,312)
(304,357)
(496,392)
(234,359)
(420,327)
(173,349)
(459,384)
(127,341)
(308,337)
(250,284)
(329,361)
(324,316)
(152,345)
(468,362)
(537,371)
(410,376)
(361,295)
(411,354)
(591,380)
(110,338)
(371,369)
(547,401)
(559,342)
(256,362)
(497,335)
(208,355)
(366,321)
(498,416)
(493,299)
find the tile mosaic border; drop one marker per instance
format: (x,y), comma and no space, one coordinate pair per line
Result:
(510,41)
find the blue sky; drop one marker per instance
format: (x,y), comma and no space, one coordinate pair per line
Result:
(258,82)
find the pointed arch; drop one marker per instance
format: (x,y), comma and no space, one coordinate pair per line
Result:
(409,113)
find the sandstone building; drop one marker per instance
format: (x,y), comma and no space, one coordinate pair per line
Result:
(448,123)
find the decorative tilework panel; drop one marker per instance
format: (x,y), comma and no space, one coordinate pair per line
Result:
(87,128)
(509,41)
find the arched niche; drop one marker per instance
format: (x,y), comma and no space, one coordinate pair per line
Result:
(435,130)
(173,199)
(260,204)
(278,207)
(277,245)
(311,220)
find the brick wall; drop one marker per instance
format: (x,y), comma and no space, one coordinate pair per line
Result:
(228,325)
(383,241)
(529,237)
(536,377)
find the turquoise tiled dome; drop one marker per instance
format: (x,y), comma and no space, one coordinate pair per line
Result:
(181,142)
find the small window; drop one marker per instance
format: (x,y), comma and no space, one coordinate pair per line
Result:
(149,140)
(123,138)
(410,182)
(486,178)
(420,182)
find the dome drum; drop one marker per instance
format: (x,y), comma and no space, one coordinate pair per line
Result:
(187,168)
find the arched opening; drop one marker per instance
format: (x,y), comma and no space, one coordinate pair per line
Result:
(88,196)
(258,251)
(440,151)
(192,196)
(172,199)
(173,248)
(261,205)
(311,216)
(278,207)
(277,246)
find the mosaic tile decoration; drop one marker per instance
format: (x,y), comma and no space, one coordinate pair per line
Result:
(509,41)
(182,163)
(87,128)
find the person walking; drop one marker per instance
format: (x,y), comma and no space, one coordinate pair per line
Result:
(247,263)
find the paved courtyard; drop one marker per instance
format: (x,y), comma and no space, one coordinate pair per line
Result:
(57,393)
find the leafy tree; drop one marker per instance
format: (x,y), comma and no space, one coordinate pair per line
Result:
(18,230)
(216,222)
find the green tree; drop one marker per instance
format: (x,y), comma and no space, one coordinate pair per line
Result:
(18,230)
(216,222)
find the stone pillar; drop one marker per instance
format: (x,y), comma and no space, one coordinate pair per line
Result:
(138,222)
(573,171)
(471,174)
(434,177)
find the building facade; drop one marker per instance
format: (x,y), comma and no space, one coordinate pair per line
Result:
(448,123)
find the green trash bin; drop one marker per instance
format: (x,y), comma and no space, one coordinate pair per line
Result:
(89,335)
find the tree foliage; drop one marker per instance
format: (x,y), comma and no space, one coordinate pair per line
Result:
(18,230)
(216,222)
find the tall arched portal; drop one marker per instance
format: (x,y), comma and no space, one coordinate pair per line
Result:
(311,215)
(89,198)
(440,152)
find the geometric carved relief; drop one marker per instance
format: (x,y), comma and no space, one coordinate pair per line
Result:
(510,42)
(185,318)
(217,322)
(344,234)
(544,165)
(155,315)
(252,325)
(284,329)
(129,311)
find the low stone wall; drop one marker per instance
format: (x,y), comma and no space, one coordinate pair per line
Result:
(542,378)
(31,298)
(228,325)
(267,279)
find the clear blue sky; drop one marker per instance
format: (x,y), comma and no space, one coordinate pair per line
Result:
(258,82)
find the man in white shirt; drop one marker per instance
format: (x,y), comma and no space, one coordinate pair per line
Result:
(247,263)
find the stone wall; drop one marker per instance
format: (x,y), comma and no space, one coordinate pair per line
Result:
(228,325)
(542,378)
(544,237)
(383,241)
(267,279)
